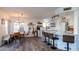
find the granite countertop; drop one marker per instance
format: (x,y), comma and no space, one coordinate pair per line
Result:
(59,33)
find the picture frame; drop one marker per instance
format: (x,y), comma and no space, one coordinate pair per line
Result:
(2,21)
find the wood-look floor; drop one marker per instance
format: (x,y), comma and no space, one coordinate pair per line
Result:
(34,44)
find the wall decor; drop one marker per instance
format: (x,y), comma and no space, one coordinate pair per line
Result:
(2,21)
(67,8)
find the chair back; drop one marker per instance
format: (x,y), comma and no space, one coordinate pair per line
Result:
(68,38)
(50,36)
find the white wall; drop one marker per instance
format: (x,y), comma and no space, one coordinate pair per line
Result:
(2,31)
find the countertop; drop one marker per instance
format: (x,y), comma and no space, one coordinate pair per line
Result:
(59,33)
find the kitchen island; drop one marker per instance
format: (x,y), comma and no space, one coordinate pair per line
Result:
(60,43)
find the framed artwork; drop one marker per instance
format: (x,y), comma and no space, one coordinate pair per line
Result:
(2,21)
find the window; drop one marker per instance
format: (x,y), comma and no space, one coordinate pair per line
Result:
(16,27)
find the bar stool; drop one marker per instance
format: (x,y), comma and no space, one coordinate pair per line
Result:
(48,35)
(68,39)
(54,38)
(47,40)
(44,34)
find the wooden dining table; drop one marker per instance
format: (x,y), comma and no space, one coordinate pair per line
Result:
(17,36)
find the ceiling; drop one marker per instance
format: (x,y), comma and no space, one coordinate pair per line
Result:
(28,12)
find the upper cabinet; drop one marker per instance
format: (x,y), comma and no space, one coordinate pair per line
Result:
(68,16)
